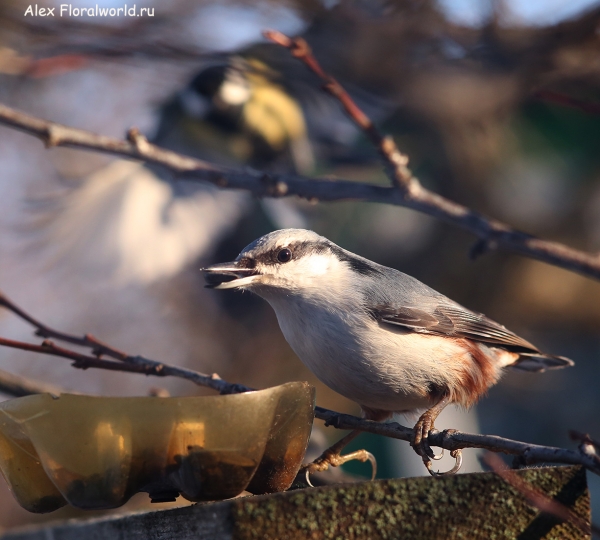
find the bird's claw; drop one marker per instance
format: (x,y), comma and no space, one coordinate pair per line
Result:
(456,454)
(435,456)
(318,465)
(307,477)
(373,462)
(323,463)
(423,428)
(428,450)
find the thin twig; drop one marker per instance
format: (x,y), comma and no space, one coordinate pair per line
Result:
(396,162)
(80,361)
(537,498)
(448,439)
(415,195)
(492,232)
(125,362)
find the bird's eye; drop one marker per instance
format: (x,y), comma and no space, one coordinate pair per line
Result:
(285,255)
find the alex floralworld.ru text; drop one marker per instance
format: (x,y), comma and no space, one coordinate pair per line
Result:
(67,10)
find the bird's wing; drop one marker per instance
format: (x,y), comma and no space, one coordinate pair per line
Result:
(452,320)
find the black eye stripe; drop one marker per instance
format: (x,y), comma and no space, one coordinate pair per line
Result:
(272,256)
(301,249)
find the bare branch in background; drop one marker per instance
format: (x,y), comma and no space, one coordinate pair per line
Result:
(492,233)
(122,361)
(396,162)
(448,439)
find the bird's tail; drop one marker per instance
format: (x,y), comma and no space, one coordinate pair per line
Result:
(539,362)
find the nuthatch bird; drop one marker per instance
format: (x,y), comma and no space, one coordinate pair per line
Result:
(375,335)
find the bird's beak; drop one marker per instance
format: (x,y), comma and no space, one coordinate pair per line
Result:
(228,275)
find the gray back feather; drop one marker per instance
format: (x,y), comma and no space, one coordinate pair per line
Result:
(396,298)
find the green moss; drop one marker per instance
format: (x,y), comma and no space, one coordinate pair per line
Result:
(466,506)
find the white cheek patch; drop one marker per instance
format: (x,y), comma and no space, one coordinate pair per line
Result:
(315,265)
(320,274)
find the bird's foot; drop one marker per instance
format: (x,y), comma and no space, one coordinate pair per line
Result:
(423,428)
(331,459)
(421,431)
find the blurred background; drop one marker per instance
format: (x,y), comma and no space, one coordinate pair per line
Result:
(497,104)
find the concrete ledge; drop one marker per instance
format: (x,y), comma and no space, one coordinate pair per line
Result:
(473,506)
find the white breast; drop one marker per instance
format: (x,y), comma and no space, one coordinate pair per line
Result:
(376,367)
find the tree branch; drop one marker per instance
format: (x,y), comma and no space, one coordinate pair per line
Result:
(448,439)
(491,232)
(122,361)
(395,161)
